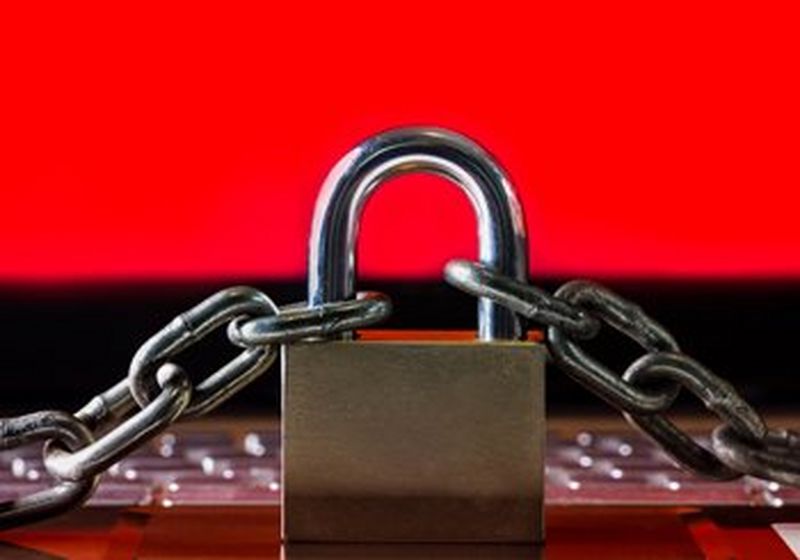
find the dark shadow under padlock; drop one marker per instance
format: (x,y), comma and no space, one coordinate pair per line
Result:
(414,440)
(409,551)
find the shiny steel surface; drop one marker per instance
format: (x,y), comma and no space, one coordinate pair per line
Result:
(300,321)
(190,328)
(576,310)
(776,456)
(413,441)
(107,407)
(501,225)
(718,396)
(628,319)
(529,301)
(92,459)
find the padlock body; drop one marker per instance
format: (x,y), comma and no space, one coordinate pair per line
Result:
(413,441)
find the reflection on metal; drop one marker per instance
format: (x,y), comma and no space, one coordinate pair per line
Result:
(501,224)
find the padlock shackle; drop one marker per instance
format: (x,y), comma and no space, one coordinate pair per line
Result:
(501,223)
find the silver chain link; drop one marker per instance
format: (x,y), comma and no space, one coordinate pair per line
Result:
(50,426)
(78,447)
(742,444)
(299,321)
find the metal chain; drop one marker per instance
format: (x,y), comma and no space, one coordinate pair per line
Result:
(299,321)
(47,425)
(742,444)
(78,447)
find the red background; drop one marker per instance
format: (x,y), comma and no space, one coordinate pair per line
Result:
(645,138)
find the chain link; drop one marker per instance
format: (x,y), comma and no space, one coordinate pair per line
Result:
(299,321)
(190,328)
(157,392)
(92,459)
(63,429)
(590,304)
(742,444)
(776,457)
(528,301)
(629,320)
(718,396)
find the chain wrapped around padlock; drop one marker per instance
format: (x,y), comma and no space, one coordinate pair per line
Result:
(742,444)
(78,447)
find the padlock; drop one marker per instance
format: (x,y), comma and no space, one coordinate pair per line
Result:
(409,440)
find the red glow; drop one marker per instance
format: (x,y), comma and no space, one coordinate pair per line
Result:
(645,139)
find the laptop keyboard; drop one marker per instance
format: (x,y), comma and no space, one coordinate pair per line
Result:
(221,468)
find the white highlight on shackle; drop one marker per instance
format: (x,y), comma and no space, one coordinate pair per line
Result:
(501,225)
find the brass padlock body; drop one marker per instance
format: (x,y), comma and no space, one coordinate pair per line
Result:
(413,441)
